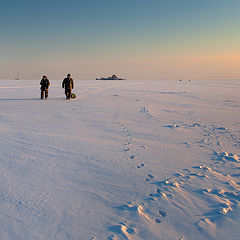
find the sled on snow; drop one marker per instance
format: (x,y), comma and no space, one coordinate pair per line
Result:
(73,95)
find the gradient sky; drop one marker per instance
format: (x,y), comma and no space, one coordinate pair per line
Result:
(136,39)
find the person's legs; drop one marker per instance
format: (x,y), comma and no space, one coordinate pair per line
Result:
(46,93)
(42,93)
(67,93)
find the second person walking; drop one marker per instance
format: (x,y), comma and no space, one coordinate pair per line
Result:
(68,84)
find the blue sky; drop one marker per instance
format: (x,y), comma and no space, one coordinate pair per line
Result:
(137,39)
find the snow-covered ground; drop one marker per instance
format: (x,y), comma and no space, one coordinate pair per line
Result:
(125,160)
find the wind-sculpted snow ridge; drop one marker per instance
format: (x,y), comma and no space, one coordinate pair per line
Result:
(203,198)
(194,203)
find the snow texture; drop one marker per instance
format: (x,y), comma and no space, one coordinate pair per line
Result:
(124,160)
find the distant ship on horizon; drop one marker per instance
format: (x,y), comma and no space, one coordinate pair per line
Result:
(113,77)
(18,76)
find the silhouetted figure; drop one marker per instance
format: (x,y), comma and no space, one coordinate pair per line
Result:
(44,86)
(68,84)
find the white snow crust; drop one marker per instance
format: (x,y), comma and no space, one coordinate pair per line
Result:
(124,160)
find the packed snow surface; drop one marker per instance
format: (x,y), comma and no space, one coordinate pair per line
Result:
(124,160)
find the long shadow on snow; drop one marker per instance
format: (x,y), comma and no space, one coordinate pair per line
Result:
(29,99)
(19,99)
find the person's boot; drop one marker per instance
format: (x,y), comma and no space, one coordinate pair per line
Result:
(68,96)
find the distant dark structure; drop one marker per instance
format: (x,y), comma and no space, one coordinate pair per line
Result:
(113,77)
(18,76)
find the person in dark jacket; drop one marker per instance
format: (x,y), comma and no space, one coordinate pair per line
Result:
(44,86)
(68,84)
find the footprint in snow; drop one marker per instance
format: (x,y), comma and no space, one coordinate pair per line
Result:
(181,238)
(126,149)
(113,237)
(93,238)
(162,213)
(141,165)
(122,229)
(151,176)
(157,220)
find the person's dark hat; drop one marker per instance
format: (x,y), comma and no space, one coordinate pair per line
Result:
(69,75)
(44,76)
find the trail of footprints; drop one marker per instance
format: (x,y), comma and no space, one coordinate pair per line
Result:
(170,193)
(127,146)
(123,229)
(219,201)
(211,133)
